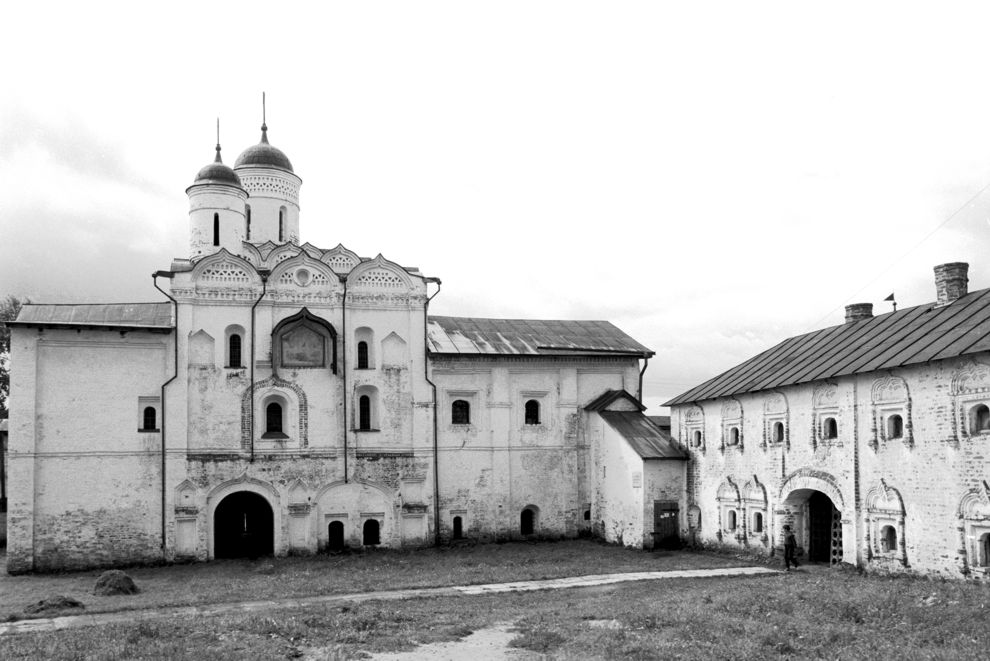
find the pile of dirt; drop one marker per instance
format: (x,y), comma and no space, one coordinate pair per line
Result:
(53,604)
(114,582)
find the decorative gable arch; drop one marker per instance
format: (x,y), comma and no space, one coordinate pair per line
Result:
(251,253)
(303,276)
(379,274)
(340,259)
(280,253)
(222,269)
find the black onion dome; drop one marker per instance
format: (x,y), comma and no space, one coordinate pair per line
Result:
(217,173)
(264,155)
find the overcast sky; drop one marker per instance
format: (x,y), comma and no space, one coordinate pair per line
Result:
(711,177)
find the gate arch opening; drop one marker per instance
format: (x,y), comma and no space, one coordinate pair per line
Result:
(817,524)
(243,526)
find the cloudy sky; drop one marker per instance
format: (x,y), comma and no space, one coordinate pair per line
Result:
(711,177)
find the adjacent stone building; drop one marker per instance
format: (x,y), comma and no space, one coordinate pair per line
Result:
(288,398)
(870,439)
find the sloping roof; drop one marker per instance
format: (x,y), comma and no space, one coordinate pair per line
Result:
(152,316)
(643,436)
(607,398)
(661,421)
(896,339)
(534,337)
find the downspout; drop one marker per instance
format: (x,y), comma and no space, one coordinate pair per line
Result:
(175,374)
(436,446)
(264,289)
(646,363)
(343,363)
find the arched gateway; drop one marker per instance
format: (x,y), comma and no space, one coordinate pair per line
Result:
(243,526)
(811,504)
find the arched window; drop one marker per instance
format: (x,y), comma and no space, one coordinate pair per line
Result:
(778,432)
(587,515)
(830,429)
(458,528)
(757,522)
(247,229)
(149,420)
(362,358)
(372,533)
(216,229)
(527,521)
(281,225)
(979,419)
(460,412)
(888,539)
(532,412)
(364,413)
(895,426)
(234,350)
(697,439)
(734,436)
(731,523)
(273,418)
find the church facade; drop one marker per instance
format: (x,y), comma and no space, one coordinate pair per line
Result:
(868,439)
(293,399)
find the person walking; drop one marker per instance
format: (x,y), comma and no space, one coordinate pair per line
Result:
(790,548)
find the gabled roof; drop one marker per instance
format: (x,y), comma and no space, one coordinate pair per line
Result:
(607,398)
(910,336)
(643,436)
(534,337)
(126,316)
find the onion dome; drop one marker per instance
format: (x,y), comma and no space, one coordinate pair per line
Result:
(218,173)
(264,155)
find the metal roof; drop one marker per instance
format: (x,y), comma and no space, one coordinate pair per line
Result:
(643,436)
(534,337)
(896,339)
(156,316)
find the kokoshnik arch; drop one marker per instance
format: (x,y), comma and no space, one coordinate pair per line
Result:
(288,398)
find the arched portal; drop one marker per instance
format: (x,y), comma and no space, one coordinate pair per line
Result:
(243,526)
(816,523)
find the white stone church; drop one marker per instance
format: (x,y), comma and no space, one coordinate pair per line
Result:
(287,398)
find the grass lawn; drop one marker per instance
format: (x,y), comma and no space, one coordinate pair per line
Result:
(275,578)
(815,613)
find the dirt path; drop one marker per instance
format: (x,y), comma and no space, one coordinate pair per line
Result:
(73,621)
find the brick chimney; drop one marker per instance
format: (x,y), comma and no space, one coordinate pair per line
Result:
(951,282)
(858,312)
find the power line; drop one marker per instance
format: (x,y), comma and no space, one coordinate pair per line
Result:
(905,253)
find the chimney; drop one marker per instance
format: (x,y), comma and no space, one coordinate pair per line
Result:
(951,282)
(858,312)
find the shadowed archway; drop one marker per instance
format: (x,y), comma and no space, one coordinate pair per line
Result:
(243,526)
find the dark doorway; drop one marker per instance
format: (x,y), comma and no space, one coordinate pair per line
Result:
(458,527)
(243,526)
(526,523)
(372,533)
(335,536)
(824,529)
(665,524)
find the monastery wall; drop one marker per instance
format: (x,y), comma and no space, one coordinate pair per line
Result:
(80,462)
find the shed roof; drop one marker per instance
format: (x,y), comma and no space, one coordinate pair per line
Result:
(648,440)
(151,316)
(534,337)
(910,336)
